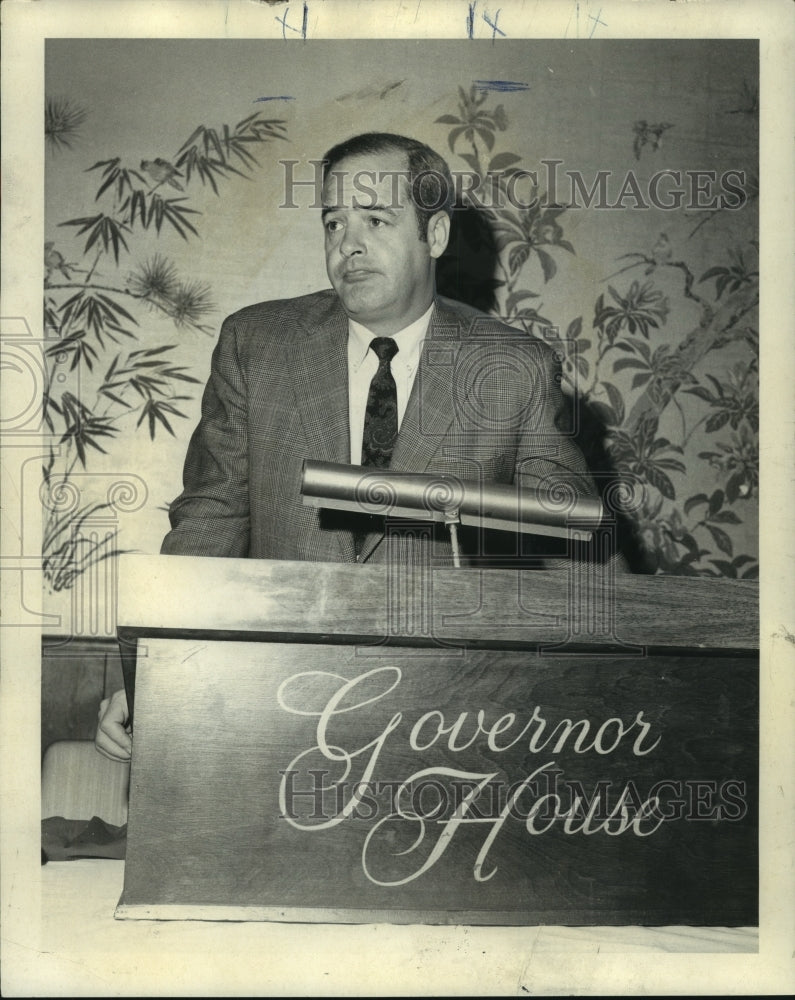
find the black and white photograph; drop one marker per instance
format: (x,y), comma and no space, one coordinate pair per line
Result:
(395,552)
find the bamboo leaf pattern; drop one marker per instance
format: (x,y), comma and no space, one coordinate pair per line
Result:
(99,324)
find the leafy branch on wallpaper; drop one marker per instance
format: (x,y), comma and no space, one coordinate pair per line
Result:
(660,375)
(63,120)
(100,376)
(687,536)
(519,235)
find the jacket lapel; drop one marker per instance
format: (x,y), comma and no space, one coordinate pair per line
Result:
(430,407)
(319,365)
(318,360)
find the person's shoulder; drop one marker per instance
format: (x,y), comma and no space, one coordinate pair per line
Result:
(471,323)
(305,310)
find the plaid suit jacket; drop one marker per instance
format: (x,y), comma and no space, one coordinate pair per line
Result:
(486,405)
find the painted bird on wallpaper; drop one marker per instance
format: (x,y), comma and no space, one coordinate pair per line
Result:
(162,172)
(661,252)
(648,135)
(54,261)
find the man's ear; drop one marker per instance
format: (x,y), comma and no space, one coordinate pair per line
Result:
(438,233)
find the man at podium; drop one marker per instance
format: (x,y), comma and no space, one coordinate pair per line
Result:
(379,371)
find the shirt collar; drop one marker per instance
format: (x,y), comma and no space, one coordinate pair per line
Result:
(409,341)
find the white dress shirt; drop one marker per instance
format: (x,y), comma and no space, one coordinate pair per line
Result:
(363,364)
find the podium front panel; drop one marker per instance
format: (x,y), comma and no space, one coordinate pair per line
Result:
(330,782)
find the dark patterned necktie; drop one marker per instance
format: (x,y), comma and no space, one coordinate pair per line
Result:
(381,415)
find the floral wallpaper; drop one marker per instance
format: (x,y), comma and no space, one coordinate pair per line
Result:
(642,355)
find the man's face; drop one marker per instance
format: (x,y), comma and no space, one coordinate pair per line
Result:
(378,265)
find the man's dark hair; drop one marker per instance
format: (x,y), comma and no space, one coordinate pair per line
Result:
(429,177)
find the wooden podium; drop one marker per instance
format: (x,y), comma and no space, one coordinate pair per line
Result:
(332,742)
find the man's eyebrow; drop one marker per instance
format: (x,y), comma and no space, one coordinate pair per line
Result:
(379,208)
(328,209)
